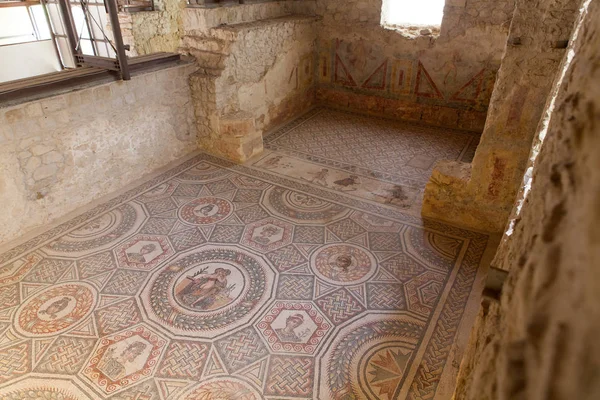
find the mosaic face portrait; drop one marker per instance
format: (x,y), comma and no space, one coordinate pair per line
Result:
(293,327)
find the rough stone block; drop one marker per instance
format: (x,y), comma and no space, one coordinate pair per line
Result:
(237,125)
(45,171)
(239,149)
(101,94)
(33,110)
(52,157)
(14,115)
(40,149)
(54,104)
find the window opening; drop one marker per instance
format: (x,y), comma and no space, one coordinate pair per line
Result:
(407,13)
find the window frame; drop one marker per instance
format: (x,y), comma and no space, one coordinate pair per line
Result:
(409,29)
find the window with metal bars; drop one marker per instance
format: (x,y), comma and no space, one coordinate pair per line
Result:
(84,35)
(135,5)
(22,21)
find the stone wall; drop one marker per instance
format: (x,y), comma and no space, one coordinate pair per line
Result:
(262,63)
(153,31)
(541,340)
(64,151)
(440,78)
(481,194)
(256,70)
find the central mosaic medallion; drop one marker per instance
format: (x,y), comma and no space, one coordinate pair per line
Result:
(206,211)
(343,264)
(209,287)
(207,292)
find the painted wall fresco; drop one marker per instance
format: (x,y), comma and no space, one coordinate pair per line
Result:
(363,67)
(441,77)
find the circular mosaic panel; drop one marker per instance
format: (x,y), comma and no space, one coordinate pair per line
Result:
(100,232)
(222,388)
(210,287)
(382,368)
(203,172)
(302,207)
(369,360)
(343,264)
(157,192)
(207,291)
(42,389)
(39,393)
(55,310)
(205,211)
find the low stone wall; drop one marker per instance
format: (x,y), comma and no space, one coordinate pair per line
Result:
(163,29)
(199,20)
(253,74)
(64,151)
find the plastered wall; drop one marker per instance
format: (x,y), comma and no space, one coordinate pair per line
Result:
(62,152)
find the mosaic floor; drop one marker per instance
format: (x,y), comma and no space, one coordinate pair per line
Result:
(222,281)
(374,159)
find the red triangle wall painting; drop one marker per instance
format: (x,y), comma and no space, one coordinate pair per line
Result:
(471,90)
(342,75)
(425,86)
(378,78)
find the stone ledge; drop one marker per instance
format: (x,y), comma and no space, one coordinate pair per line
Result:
(268,22)
(202,19)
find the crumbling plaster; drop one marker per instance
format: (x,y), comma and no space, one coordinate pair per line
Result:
(64,151)
(540,340)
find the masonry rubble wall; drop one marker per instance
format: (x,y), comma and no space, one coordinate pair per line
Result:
(540,340)
(481,195)
(64,151)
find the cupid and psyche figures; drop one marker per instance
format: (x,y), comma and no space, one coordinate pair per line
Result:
(207,291)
